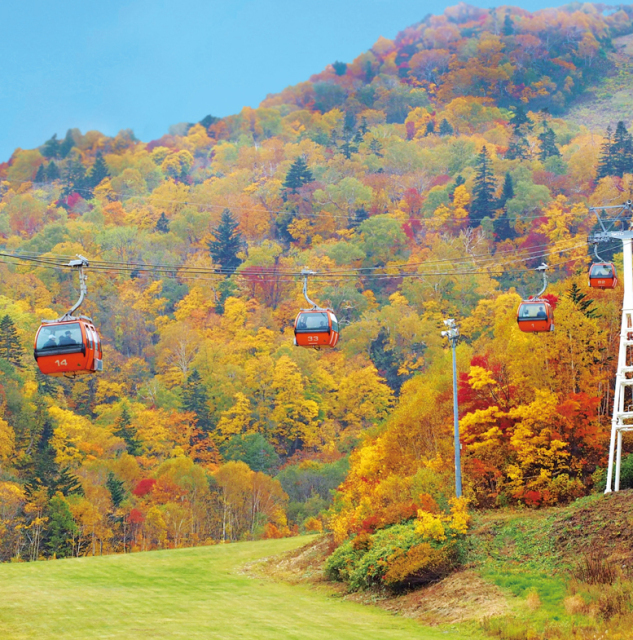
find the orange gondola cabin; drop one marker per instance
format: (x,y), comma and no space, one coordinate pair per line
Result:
(68,347)
(535,315)
(316,328)
(602,275)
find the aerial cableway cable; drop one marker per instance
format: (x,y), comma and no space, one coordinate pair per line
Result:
(59,351)
(489,265)
(144,265)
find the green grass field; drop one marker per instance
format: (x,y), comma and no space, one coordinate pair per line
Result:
(185,593)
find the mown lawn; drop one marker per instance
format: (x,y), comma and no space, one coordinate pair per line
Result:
(185,593)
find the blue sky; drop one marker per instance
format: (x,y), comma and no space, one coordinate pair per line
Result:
(148,64)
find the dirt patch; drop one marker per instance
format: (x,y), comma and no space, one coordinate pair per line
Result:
(460,597)
(605,526)
(305,564)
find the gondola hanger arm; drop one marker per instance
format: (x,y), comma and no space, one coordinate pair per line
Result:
(78,264)
(305,273)
(543,269)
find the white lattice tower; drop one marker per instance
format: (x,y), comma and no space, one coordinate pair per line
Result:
(623,402)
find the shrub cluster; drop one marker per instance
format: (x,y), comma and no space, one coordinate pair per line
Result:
(399,556)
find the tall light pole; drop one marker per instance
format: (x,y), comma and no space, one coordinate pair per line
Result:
(452,333)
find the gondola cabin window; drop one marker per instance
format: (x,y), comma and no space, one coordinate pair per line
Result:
(313,322)
(59,336)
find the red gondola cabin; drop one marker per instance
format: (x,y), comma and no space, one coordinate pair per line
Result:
(316,328)
(535,316)
(68,347)
(602,275)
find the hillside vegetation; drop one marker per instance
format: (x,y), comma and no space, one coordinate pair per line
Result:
(560,572)
(425,179)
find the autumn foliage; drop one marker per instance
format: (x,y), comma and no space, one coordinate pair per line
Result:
(426,179)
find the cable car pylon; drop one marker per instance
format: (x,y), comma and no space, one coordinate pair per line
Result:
(622,419)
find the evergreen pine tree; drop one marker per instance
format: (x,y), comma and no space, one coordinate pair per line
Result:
(127,431)
(502,227)
(67,144)
(46,385)
(44,467)
(162,224)
(116,489)
(228,242)
(605,162)
(622,151)
(430,128)
(10,347)
(363,128)
(196,400)
(520,119)
(226,289)
(75,180)
(63,482)
(348,146)
(207,121)
(61,528)
(66,483)
(508,25)
(507,192)
(340,68)
(349,137)
(583,303)
(483,203)
(519,147)
(547,138)
(385,361)
(51,148)
(40,176)
(298,175)
(446,129)
(359,216)
(375,146)
(253,449)
(459,180)
(52,172)
(98,172)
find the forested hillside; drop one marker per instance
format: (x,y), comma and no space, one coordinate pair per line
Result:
(424,180)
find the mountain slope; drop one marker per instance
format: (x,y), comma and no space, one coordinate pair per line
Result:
(612,98)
